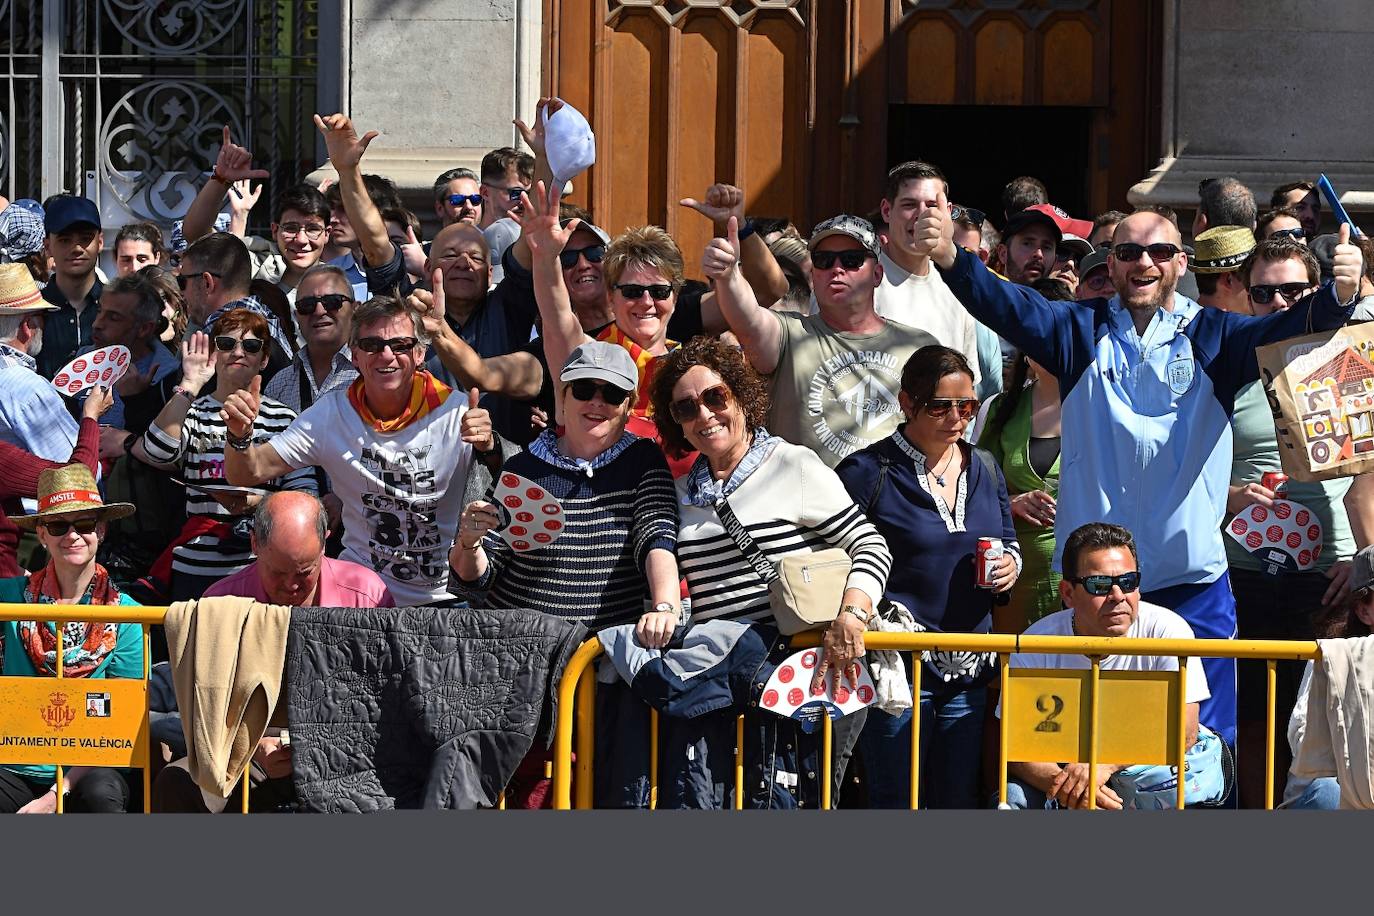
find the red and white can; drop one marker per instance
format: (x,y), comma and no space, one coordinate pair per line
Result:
(1276,481)
(985,559)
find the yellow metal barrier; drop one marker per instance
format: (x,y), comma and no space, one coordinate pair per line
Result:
(1051,715)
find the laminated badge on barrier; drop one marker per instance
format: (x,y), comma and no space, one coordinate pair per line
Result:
(789,694)
(1284,538)
(534,518)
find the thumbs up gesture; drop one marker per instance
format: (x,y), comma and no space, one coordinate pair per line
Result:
(1347,266)
(241,409)
(475,428)
(934,233)
(722,255)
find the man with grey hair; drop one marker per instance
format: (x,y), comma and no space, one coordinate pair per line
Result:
(458,197)
(324,311)
(1224,202)
(32,415)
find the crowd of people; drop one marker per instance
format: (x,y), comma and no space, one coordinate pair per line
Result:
(325,417)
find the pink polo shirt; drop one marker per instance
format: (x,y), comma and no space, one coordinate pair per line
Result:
(342,584)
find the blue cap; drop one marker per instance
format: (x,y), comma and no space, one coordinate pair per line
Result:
(67,210)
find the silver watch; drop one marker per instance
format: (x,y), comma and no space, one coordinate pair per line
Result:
(866,617)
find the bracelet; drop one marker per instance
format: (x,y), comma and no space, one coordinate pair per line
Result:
(747,229)
(183,391)
(240,444)
(216,176)
(857,612)
(473,549)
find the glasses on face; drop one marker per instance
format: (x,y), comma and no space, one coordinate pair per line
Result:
(1296,234)
(1099,586)
(457,200)
(512,193)
(398,345)
(657,291)
(1263,293)
(251,345)
(332,302)
(312,231)
(939,407)
(957,212)
(1130,252)
(593,254)
(717,399)
(184,280)
(849,258)
(1097,281)
(584,389)
(82,526)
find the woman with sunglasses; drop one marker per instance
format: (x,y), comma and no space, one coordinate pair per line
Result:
(173,303)
(189,437)
(934,497)
(708,400)
(69,524)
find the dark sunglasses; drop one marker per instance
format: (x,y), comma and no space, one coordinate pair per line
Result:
(938,407)
(584,389)
(1296,235)
(457,200)
(850,258)
(398,345)
(957,212)
(1102,585)
(593,254)
(1263,293)
(716,400)
(657,291)
(1130,252)
(332,302)
(512,193)
(184,279)
(251,345)
(60,529)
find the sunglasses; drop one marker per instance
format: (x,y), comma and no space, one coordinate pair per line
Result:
(184,280)
(457,200)
(1130,252)
(512,193)
(938,407)
(716,399)
(398,345)
(593,254)
(1296,235)
(957,212)
(584,389)
(850,258)
(314,232)
(251,345)
(1263,293)
(657,291)
(60,529)
(1102,585)
(332,302)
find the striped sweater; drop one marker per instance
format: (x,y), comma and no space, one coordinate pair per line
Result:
(792,503)
(594,572)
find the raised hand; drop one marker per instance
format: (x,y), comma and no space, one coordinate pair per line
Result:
(197,361)
(244,197)
(475,428)
(722,202)
(534,137)
(721,257)
(241,409)
(431,306)
(345,147)
(235,163)
(1347,265)
(413,254)
(539,222)
(934,233)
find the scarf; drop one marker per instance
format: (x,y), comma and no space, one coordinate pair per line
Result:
(85,645)
(704,491)
(545,448)
(426,394)
(645,361)
(254,305)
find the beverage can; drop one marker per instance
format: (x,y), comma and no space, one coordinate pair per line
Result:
(988,553)
(1276,481)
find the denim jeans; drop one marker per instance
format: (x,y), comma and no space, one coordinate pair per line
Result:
(1322,794)
(951,750)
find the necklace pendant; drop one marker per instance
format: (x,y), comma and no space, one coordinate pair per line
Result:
(940,480)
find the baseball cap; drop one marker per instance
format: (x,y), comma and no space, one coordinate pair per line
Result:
(1362,576)
(1095,259)
(605,362)
(67,210)
(857,228)
(1323,248)
(1048,214)
(594,229)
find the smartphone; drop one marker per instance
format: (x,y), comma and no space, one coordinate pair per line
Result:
(1332,200)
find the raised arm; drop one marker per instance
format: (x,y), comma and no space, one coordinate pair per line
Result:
(760,268)
(759,331)
(234,163)
(346,151)
(161,444)
(534,139)
(516,375)
(540,230)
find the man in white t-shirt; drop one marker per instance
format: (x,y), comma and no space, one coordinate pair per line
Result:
(1101,587)
(397,445)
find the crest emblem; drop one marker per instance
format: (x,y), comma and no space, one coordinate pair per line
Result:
(57,714)
(1180,373)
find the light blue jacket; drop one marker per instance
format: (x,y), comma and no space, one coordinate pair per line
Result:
(1146,435)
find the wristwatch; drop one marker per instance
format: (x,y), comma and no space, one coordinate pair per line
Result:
(665,607)
(865,616)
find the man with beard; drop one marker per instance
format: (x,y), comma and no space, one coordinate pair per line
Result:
(1303,197)
(1148,381)
(1031,240)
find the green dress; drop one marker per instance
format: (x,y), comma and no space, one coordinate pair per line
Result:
(1036,592)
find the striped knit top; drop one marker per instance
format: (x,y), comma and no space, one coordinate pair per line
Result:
(594,572)
(792,503)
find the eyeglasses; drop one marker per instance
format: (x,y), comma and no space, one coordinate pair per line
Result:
(1130,252)
(657,291)
(332,302)
(313,231)
(1263,293)
(512,193)
(593,254)
(584,389)
(1296,234)
(183,280)
(716,399)
(849,258)
(938,407)
(1102,585)
(957,213)
(60,529)
(457,200)
(398,345)
(1097,280)
(251,345)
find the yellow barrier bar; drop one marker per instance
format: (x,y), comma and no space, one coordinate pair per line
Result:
(1092,732)
(66,613)
(1004,664)
(563,731)
(915,729)
(739,763)
(147,717)
(501,802)
(1271,701)
(1182,728)
(827,760)
(247,778)
(60,786)
(586,737)
(653,759)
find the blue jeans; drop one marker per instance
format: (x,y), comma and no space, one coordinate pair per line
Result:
(951,750)
(1322,794)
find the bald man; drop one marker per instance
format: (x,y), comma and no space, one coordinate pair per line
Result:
(289,532)
(1148,381)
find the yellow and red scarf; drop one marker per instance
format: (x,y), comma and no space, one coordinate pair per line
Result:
(426,394)
(646,362)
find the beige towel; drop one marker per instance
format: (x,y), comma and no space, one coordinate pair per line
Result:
(1340,720)
(227,656)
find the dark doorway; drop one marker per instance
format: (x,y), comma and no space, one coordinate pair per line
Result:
(982,147)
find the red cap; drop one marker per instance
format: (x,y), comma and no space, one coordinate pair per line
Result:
(1067,224)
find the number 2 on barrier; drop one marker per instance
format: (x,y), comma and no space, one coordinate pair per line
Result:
(1052,705)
